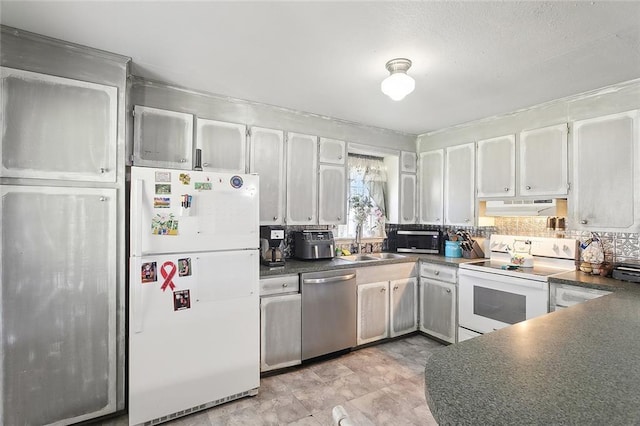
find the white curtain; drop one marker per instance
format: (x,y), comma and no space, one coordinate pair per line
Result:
(369,175)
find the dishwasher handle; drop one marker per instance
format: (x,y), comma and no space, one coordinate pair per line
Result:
(328,280)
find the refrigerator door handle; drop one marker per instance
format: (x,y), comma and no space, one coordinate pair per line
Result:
(136,225)
(135,266)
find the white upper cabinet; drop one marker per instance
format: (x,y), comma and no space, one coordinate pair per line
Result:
(162,138)
(544,161)
(332,186)
(431,185)
(408,162)
(497,167)
(459,188)
(332,151)
(606,173)
(223,145)
(302,177)
(407,198)
(267,160)
(57,128)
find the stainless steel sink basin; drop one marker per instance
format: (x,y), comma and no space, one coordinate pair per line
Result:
(369,257)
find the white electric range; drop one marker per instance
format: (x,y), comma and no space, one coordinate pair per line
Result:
(492,295)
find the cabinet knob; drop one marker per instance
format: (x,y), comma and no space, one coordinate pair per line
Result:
(448,290)
(103,198)
(285,285)
(383,289)
(275,218)
(339,218)
(309,218)
(528,187)
(183,160)
(103,170)
(395,288)
(506,189)
(467,220)
(583,221)
(339,157)
(436,272)
(437,219)
(205,164)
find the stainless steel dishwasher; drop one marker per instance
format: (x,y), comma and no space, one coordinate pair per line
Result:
(328,312)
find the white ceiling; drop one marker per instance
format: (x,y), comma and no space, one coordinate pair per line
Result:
(470,59)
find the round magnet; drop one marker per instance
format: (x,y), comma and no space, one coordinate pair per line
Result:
(236,181)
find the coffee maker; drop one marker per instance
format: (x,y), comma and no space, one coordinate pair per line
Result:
(272,245)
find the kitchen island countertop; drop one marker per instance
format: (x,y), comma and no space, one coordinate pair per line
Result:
(580,365)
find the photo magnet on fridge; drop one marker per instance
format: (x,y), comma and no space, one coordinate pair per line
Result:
(181,300)
(163,188)
(202,186)
(184,267)
(161,202)
(148,272)
(185,178)
(163,176)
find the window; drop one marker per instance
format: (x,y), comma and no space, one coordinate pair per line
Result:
(367,197)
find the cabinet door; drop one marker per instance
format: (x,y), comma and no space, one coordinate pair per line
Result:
(431,185)
(562,296)
(403,306)
(302,179)
(267,160)
(497,167)
(544,161)
(58,303)
(162,138)
(438,309)
(408,162)
(459,189)
(407,198)
(57,128)
(332,151)
(332,186)
(281,331)
(606,173)
(373,312)
(223,145)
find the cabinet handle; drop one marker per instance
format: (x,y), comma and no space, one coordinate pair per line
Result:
(528,187)
(205,164)
(583,221)
(382,290)
(436,272)
(285,285)
(437,219)
(448,290)
(395,288)
(506,189)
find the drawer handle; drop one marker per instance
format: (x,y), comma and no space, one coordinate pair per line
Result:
(436,272)
(506,189)
(583,222)
(275,218)
(285,285)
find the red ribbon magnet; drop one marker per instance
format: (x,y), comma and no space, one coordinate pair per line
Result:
(168,276)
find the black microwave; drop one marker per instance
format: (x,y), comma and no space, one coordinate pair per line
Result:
(419,241)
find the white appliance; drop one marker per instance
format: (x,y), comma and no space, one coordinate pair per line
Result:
(493,296)
(194,326)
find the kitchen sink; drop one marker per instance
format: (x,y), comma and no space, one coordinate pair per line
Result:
(369,257)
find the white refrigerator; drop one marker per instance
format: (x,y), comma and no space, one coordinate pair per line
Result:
(194,326)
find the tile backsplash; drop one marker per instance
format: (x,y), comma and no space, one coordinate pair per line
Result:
(618,246)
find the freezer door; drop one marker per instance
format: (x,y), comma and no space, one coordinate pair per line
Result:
(186,353)
(174,211)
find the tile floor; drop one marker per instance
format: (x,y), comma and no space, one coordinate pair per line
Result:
(378,385)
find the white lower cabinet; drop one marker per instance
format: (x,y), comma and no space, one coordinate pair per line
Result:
(387,307)
(438,301)
(280,323)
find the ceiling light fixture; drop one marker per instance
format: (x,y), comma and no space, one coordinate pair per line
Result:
(398,84)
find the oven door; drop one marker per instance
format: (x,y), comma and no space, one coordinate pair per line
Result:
(489,301)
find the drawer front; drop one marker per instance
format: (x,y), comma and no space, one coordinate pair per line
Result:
(281,284)
(566,296)
(439,272)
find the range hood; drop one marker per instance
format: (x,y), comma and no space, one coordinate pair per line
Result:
(522,207)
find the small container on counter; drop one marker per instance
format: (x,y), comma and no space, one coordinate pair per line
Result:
(452,249)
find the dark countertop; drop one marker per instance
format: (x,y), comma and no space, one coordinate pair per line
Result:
(580,365)
(294,266)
